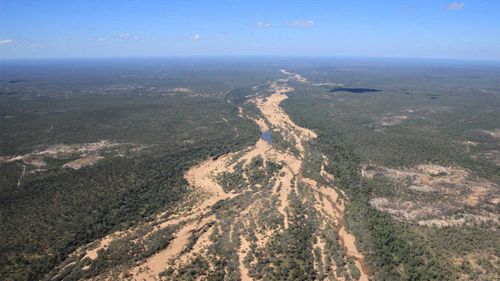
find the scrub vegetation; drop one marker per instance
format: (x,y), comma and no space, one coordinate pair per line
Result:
(109,171)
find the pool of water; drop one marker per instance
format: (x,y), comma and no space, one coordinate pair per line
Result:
(266,136)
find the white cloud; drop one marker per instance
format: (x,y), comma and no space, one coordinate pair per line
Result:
(302,23)
(263,24)
(195,37)
(128,36)
(6,42)
(456,6)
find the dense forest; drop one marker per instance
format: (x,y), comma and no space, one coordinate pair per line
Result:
(103,148)
(157,132)
(403,125)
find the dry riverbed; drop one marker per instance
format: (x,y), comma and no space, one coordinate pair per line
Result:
(201,235)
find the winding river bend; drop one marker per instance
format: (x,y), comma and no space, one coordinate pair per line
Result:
(245,230)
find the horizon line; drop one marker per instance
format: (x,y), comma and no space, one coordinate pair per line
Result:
(494,60)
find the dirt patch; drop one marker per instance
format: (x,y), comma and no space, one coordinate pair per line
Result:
(183,90)
(21,176)
(392,120)
(481,270)
(83,162)
(294,76)
(102,245)
(493,133)
(471,143)
(437,195)
(244,247)
(89,154)
(326,175)
(159,262)
(333,206)
(283,188)
(320,244)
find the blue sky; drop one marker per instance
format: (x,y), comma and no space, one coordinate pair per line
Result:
(106,28)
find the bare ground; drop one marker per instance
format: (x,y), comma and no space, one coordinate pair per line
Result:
(438,195)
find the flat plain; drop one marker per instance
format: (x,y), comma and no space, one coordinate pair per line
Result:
(155,169)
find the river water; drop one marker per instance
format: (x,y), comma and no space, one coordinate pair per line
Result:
(266,136)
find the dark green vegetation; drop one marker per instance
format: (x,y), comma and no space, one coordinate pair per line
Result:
(289,255)
(56,210)
(179,112)
(408,123)
(119,252)
(401,126)
(259,175)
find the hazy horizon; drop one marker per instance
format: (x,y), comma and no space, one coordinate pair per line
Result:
(261,57)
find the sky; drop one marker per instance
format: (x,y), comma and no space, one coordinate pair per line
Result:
(359,28)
